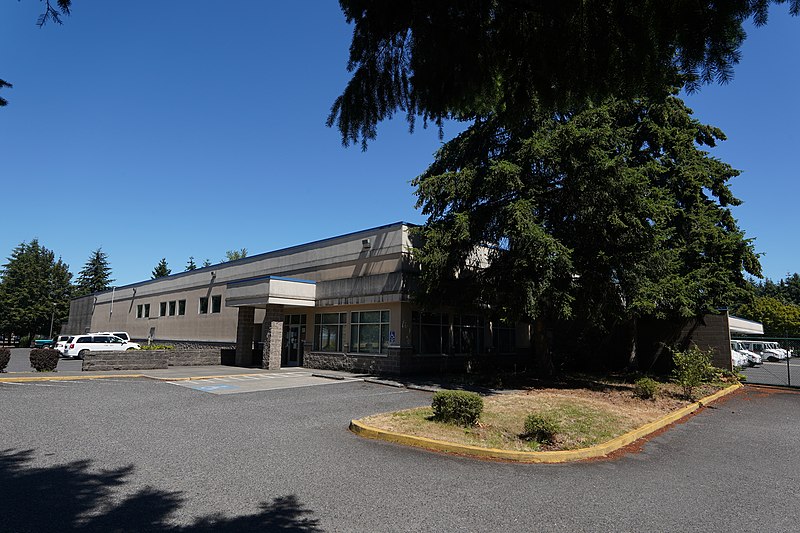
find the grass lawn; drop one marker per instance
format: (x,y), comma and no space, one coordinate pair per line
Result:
(587,413)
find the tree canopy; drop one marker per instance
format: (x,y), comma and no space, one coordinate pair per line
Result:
(190,264)
(465,59)
(95,276)
(161,270)
(606,214)
(35,289)
(778,316)
(233,255)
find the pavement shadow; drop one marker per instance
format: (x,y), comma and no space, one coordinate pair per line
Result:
(73,497)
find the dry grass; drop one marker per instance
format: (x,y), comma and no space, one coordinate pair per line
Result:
(586,415)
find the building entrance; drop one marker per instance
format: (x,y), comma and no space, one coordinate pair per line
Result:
(294,334)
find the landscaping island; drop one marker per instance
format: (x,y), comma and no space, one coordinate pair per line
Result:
(571,420)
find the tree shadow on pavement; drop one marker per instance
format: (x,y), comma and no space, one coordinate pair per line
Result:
(73,497)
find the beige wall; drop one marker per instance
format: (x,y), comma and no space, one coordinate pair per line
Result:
(339,258)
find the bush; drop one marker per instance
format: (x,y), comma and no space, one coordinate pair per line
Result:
(541,428)
(692,369)
(460,407)
(44,359)
(646,388)
(5,357)
(157,347)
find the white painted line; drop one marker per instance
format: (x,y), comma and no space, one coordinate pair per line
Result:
(11,383)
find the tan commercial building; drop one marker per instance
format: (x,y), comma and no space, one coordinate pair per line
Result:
(342,302)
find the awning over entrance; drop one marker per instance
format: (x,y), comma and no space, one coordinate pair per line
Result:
(742,325)
(271,290)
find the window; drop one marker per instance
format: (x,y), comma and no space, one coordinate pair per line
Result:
(203,306)
(467,334)
(146,310)
(172,308)
(181,307)
(504,337)
(369,332)
(430,332)
(329,331)
(162,310)
(216,303)
(139,311)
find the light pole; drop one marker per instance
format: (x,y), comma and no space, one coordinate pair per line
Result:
(52,317)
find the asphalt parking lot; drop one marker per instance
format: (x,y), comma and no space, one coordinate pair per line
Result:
(785,372)
(141,455)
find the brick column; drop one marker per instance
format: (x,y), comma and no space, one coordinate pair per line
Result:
(273,336)
(244,336)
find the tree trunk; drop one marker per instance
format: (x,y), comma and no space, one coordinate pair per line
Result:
(541,349)
(633,356)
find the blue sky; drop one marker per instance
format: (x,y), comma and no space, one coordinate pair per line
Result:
(177,129)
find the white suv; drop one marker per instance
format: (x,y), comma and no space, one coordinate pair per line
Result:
(121,334)
(78,345)
(61,343)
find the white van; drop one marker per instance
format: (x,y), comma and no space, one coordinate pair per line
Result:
(79,345)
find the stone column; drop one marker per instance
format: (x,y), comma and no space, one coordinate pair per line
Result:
(273,336)
(244,336)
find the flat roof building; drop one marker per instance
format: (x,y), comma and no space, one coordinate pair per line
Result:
(342,302)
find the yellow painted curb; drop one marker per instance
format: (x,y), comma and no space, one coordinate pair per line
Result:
(561,456)
(23,379)
(207,377)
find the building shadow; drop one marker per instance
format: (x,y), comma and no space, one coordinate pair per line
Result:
(73,497)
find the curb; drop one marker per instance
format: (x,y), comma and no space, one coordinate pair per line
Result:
(23,379)
(561,456)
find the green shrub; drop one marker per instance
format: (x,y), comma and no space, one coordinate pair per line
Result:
(157,347)
(692,368)
(44,359)
(646,388)
(5,357)
(541,427)
(459,407)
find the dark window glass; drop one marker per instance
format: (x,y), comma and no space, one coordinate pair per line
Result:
(203,306)
(181,307)
(216,304)
(162,309)
(172,307)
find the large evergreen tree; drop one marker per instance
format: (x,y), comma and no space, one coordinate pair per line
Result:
(606,215)
(190,264)
(161,270)
(95,276)
(464,59)
(35,289)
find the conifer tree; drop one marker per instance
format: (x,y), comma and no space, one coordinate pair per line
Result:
(95,276)
(35,288)
(190,265)
(161,270)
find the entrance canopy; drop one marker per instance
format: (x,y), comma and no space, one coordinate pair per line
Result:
(271,290)
(742,325)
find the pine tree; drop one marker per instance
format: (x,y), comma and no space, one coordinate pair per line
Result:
(95,276)
(161,270)
(606,215)
(35,288)
(190,265)
(233,255)
(206,263)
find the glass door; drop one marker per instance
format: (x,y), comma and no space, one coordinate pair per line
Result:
(294,334)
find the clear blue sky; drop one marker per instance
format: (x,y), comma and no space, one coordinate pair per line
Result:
(177,129)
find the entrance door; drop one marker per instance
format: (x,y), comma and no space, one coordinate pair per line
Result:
(294,333)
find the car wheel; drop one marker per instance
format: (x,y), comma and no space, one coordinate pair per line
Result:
(129,349)
(82,353)
(772,359)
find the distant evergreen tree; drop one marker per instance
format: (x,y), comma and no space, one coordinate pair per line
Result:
(191,264)
(207,263)
(95,275)
(161,270)
(34,288)
(233,255)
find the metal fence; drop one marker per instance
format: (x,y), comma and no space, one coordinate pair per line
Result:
(775,368)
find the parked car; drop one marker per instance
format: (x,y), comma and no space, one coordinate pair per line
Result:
(121,334)
(42,343)
(768,350)
(61,343)
(79,345)
(751,358)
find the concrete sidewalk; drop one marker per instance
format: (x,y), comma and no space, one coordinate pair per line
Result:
(173,373)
